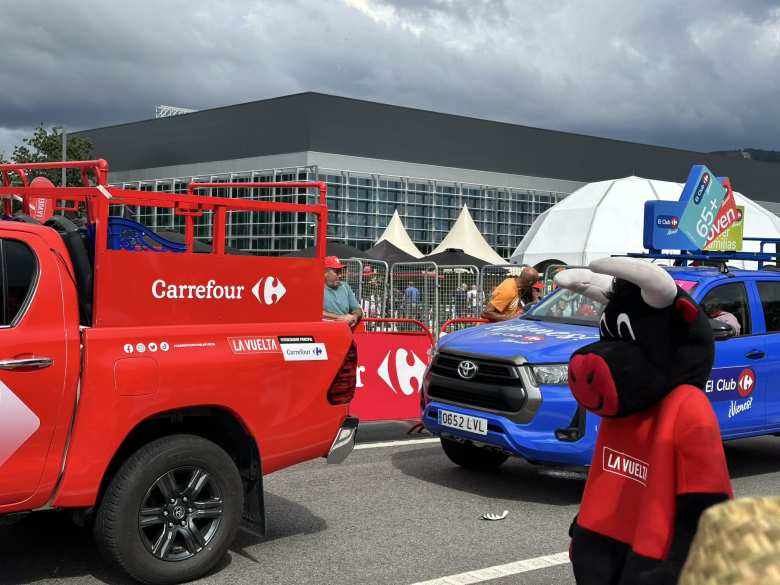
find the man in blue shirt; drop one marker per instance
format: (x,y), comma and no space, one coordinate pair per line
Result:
(340,303)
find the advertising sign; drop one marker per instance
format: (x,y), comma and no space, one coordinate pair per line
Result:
(704,218)
(390,375)
(701,200)
(729,239)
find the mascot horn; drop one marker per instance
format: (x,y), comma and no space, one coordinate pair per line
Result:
(658,461)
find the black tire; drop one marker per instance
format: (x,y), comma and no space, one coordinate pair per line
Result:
(198,537)
(471,457)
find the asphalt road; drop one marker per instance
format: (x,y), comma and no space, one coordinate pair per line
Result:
(390,515)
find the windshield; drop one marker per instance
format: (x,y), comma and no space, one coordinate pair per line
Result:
(565,306)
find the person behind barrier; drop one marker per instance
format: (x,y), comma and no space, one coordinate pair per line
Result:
(537,292)
(459,300)
(340,303)
(473,299)
(507,300)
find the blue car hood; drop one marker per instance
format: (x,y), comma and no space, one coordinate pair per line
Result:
(537,341)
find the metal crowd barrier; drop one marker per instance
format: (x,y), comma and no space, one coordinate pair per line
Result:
(368,280)
(431,294)
(414,292)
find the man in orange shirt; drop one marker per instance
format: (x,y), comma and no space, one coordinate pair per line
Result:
(507,300)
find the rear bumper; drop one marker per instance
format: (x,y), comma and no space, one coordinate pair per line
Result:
(344,442)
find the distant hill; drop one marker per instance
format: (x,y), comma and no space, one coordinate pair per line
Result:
(752,153)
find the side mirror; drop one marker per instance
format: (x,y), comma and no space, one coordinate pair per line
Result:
(721,330)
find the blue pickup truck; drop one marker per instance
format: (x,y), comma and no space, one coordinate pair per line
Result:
(501,390)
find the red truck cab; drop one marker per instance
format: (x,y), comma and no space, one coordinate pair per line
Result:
(151,387)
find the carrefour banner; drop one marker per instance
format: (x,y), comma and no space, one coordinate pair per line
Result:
(704,218)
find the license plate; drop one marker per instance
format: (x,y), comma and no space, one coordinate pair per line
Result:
(463,422)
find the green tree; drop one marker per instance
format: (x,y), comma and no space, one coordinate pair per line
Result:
(46,146)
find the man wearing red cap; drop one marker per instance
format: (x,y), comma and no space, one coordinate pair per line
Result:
(340,302)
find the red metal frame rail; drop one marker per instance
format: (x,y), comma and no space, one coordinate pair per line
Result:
(98,197)
(423,329)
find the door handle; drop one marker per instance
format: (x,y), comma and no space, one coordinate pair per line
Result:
(35,363)
(755,355)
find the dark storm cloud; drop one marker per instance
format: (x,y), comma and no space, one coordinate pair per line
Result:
(700,75)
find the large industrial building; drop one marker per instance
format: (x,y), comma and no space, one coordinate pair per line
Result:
(377,158)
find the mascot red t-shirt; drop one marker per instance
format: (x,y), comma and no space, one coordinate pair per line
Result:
(658,461)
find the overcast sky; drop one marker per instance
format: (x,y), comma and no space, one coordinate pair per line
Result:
(698,74)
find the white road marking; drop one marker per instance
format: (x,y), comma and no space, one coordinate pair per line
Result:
(396,443)
(499,571)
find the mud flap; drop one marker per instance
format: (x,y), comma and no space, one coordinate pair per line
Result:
(254,499)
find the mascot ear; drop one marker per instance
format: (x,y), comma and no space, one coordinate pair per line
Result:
(687,310)
(586,282)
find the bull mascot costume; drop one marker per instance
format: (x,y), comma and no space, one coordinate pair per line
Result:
(658,461)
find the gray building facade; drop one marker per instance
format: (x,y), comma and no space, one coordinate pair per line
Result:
(376,158)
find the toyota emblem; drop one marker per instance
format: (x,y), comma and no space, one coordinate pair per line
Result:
(467,369)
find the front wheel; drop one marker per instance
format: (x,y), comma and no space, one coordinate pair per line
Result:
(171,511)
(472,457)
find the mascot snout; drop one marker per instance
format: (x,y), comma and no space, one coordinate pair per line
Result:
(592,385)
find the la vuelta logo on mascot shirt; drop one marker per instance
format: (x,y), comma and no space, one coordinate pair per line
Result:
(658,462)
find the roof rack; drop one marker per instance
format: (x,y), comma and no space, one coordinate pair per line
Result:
(682,258)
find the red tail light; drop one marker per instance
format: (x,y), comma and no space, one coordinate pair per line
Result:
(342,391)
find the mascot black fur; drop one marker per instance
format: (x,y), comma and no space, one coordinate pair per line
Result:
(658,461)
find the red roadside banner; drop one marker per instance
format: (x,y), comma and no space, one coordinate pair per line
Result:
(391,365)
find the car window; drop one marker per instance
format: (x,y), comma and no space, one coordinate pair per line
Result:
(728,303)
(770,302)
(19,268)
(569,307)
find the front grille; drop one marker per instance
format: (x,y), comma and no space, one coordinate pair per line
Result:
(469,397)
(487,371)
(496,386)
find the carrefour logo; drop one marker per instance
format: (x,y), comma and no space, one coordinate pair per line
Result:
(746,382)
(701,188)
(267,290)
(402,371)
(667,221)
(731,383)
(272,290)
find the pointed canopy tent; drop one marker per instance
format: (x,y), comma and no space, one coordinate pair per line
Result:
(396,234)
(465,236)
(606,218)
(334,249)
(455,257)
(390,253)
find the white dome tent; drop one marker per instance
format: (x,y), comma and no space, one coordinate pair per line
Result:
(396,234)
(465,235)
(606,218)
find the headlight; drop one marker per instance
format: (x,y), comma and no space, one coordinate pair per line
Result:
(557,374)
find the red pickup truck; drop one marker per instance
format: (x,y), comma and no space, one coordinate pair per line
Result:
(150,387)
